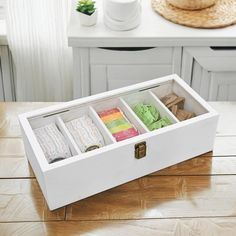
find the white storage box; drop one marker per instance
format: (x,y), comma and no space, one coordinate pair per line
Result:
(85,174)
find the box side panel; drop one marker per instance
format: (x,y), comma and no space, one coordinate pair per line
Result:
(34,163)
(87,177)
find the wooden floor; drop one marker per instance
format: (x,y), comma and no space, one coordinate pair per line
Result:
(196,197)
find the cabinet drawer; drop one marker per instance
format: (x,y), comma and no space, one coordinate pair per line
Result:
(93,67)
(211,71)
(222,86)
(214,58)
(83,174)
(124,75)
(162,55)
(104,78)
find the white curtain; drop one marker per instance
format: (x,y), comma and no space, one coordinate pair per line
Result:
(37,35)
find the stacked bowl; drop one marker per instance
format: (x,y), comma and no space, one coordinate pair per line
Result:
(122,15)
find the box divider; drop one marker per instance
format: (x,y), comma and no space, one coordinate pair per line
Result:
(72,144)
(163,107)
(109,139)
(132,117)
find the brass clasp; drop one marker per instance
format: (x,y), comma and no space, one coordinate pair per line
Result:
(140,150)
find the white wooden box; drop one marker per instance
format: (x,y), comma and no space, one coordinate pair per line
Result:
(86,174)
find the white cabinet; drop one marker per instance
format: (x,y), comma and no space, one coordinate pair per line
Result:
(155,32)
(101,69)
(211,72)
(7,88)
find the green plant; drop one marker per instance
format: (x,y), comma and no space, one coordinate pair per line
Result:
(86,6)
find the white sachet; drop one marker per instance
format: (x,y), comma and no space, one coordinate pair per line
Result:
(85,133)
(52,143)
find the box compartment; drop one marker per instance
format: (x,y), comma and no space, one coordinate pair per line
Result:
(55,119)
(147,97)
(90,112)
(190,104)
(123,106)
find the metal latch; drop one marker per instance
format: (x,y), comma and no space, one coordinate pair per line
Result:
(140,150)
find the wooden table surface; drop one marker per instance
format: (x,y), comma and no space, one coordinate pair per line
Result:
(196,197)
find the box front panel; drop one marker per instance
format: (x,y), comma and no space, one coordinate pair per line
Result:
(112,168)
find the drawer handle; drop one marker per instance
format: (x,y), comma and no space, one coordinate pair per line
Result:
(223,48)
(128,49)
(140,150)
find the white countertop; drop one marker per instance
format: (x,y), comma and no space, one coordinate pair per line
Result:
(153,31)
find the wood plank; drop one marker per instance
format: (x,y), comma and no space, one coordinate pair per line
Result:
(22,200)
(17,167)
(227,111)
(160,227)
(224,146)
(9,111)
(11,147)
(202,165)
(161,197)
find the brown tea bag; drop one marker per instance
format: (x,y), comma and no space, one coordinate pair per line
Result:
(181,115)
(174,109)
(179,101)
(176,105)
(184,115)
(169,98)
(189,114)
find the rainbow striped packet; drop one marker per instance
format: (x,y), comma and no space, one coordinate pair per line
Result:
(118,125)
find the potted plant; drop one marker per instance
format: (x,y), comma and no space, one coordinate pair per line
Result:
(87,12)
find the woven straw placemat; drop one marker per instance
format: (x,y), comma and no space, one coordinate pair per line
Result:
(222,14)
